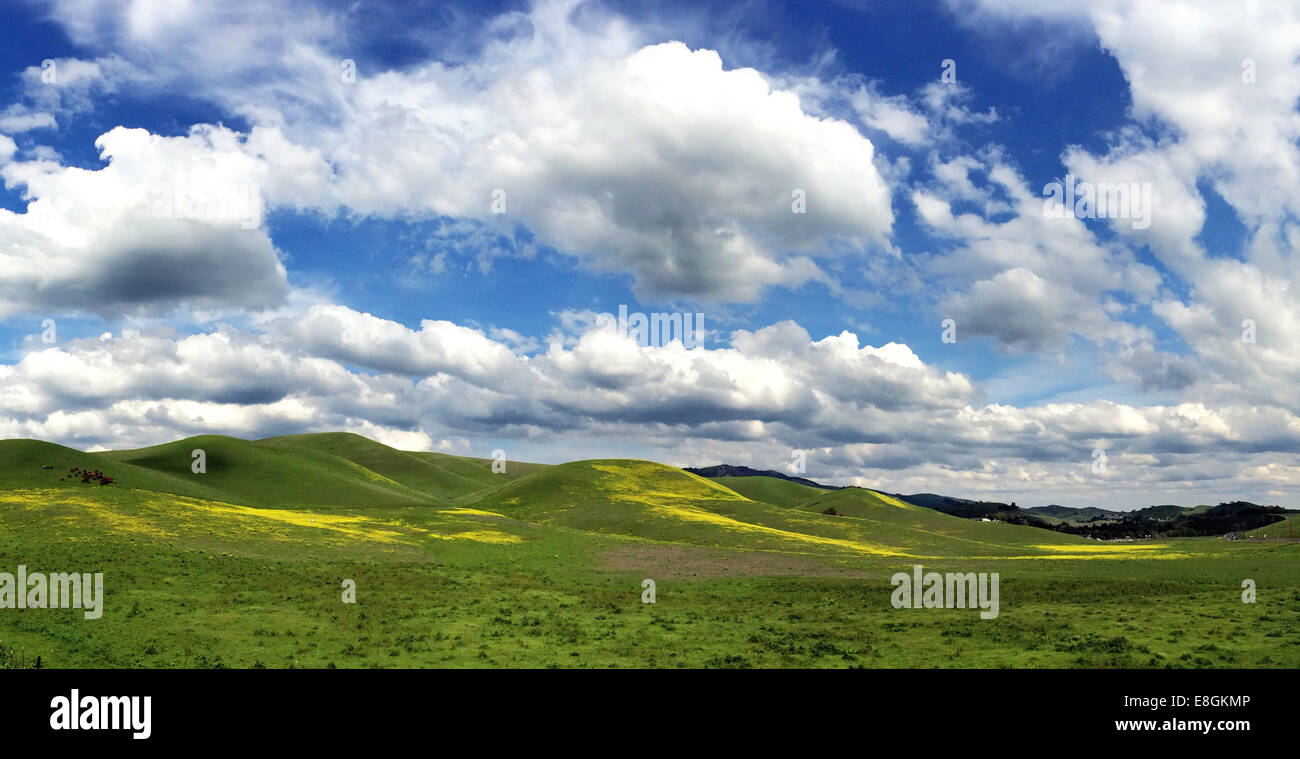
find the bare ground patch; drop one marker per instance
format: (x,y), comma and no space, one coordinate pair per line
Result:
(681,562)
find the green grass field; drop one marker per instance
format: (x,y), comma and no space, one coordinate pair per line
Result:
(542,566)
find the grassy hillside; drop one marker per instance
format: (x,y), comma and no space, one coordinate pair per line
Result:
(771,490)
(649,501)
(544,566)
(885,514)
(1288,528)
(481,468)
(23,465)
(272,475)
(433,474)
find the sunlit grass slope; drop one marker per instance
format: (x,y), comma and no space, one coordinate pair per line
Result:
(145,518)
(922,529)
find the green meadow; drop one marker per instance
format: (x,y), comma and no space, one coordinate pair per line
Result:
(543,566)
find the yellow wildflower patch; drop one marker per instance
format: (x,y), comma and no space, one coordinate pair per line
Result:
(463,511)
(718,520)
(483,536)
(1105,548)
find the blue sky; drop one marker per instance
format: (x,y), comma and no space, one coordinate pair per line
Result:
(647,158)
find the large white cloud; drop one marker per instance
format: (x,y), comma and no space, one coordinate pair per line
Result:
(1019,275)
(168,221)
(655,160)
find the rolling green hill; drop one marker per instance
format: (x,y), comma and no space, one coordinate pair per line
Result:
(273,475)
(429,473)
(886,514)
(329,470)
(480,469)
(23,462)
(771,490)
(645,500)
(1288,528)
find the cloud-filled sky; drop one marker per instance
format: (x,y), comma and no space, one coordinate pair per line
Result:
(1002,249)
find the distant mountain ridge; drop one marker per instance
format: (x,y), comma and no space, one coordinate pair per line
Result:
(1074,513)
(729,470)
(958,507)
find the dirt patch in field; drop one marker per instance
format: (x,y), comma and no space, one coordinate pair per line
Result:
(681,562)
